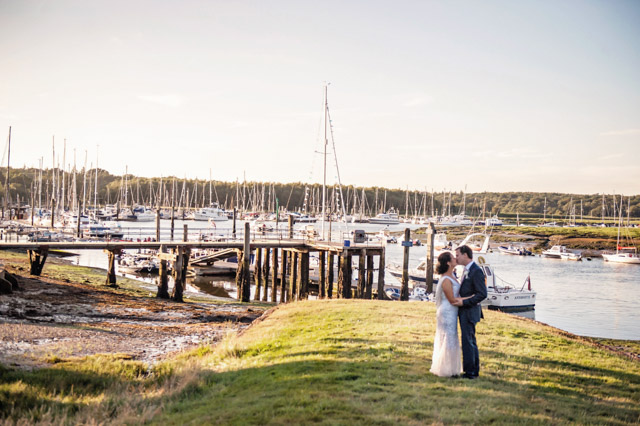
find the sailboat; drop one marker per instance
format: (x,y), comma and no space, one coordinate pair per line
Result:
(622,254)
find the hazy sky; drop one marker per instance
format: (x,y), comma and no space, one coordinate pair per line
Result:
(495,95)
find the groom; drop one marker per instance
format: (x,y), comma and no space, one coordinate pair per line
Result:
(470,312)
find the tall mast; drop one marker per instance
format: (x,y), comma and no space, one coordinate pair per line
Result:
(53,176)
(40,186)
(324,162)
(64,166)
(84,185)
(95,189)
(6,180)
(619,225)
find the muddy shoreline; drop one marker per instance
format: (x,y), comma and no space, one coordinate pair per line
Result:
(50,319)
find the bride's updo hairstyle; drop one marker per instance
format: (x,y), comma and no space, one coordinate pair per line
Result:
(443,262)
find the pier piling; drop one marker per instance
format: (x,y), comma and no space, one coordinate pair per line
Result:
(404,291)
(163,282)
(37,259)
(431,233)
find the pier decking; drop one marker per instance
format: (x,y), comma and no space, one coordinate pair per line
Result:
(281,266)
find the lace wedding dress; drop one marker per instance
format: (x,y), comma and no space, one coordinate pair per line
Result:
(446,360)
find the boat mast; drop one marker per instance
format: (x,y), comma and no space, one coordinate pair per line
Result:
(619,225)
(84,186)
(6,180)
(95,188)
(324,162)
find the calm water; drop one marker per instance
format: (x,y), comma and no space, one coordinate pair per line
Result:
(589,298)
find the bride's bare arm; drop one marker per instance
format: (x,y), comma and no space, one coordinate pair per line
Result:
(448,291)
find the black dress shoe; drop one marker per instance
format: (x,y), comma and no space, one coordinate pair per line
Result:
(469,376)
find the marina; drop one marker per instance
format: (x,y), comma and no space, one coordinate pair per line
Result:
(587,298)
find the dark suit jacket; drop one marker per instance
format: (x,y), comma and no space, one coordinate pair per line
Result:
(473,284)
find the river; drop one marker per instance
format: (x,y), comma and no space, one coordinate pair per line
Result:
(589,298)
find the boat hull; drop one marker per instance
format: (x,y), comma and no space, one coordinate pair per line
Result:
(617,258)
(525,300)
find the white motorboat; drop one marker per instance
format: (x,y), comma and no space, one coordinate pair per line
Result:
(556,252)
(108,229)
(389,218)
(571,256)
(303,218)
(419,273)
(145,215)
(493,221)
(211,213)
(514,250)
(440,241)
(507,297)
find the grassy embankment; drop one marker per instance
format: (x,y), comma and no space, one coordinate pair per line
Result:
(341,362)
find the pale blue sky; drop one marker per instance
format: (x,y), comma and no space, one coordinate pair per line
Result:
(494,95)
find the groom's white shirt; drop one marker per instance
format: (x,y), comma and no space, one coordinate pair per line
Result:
(466,269)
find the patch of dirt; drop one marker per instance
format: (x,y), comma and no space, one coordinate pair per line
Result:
(49,318)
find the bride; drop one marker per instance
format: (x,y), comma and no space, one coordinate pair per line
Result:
(446,360)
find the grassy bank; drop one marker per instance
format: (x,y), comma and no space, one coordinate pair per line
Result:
(342,362)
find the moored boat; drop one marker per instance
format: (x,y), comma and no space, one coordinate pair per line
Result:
(389,218)
(623,255)
(555,252)
(514,250)
(507,297)
(211,213)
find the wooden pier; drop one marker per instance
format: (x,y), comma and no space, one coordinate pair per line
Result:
(281,267)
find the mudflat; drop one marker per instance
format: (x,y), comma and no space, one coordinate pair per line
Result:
(49,319)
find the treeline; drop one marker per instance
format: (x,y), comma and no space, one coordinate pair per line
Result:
(42,188)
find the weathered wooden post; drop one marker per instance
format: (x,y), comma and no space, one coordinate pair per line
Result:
(404,292)
(180,276)
(235,215)
(246,282)
(78,235)
(431,234)
(240,273)
(274,278)
(173,218)
(292,292)
(304,275)
(158,226)
(349,275)
(369,290)
(330,278)
(257,274)
(283,279)
(344,275)
(381,270)
(266,272)
(323,274)
(111,268)
(266,268)
(185,233)
(361,273)
(37,259)
(163,282)
(290,223)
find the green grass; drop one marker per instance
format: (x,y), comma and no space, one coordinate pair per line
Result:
(341,362)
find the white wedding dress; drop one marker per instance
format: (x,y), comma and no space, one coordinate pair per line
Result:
(446,360)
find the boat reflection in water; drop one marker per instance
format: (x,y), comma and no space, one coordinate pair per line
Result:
(213,286)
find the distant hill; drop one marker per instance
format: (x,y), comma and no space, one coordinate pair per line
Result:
(24,183)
